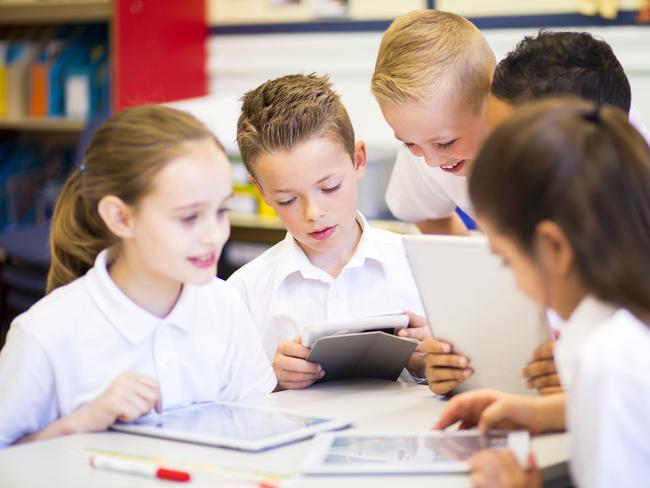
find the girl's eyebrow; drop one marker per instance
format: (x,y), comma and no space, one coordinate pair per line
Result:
(198,204)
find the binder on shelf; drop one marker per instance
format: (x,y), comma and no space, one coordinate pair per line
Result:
(20,55)
(3,78)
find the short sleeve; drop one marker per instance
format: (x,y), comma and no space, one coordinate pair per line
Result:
(27,390)
(413,194)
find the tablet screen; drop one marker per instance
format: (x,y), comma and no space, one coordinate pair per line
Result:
(405,450)
(230,421)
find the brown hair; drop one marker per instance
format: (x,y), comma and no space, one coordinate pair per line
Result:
(586,169)
(429,53)
(289,110)
(122,159)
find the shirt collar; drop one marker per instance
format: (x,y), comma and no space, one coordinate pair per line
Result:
(132,321)
(590,312)
(293,260)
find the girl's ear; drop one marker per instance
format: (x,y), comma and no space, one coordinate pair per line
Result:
(554,249)
(117,216)
(360,159)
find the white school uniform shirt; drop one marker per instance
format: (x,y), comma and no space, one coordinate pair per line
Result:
(608,408)
(419,192)
(71,345)
(284,291)
(588,316)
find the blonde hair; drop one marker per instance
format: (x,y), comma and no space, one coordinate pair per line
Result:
(122,159)
(429,53)
(289,110)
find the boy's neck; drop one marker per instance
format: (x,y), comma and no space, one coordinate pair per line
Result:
(146,291)
(334,262)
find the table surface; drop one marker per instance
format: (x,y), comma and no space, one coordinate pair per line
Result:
(376,405)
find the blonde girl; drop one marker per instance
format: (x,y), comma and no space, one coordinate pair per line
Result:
(134,319)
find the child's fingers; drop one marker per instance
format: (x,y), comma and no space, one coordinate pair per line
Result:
(443,387)
(544,351)
(296,365)
(416,320)
(434,346)
(447,374)
(419,333)
(294,349)
(549,380)
(446,360)
(539,368)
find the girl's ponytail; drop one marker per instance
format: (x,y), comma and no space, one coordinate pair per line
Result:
(77,235)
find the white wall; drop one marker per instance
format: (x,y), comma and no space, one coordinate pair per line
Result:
(237,63)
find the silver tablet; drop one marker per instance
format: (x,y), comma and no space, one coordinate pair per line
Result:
(231,425)
(427,452)
(472,302)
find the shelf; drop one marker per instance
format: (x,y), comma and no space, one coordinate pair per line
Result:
(63,12)
(42,124)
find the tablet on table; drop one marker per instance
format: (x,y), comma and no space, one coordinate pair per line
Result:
(232,425)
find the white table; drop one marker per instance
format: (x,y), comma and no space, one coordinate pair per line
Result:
(377,405)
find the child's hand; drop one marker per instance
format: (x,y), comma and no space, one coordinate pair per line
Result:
(128,397)
(418,328)
(444,369)
(500,469)
(491,409)
(291,369)
(467,408)
(541,373)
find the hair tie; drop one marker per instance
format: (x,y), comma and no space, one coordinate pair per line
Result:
(594,116)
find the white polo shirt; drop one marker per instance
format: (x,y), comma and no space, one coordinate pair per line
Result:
(590,315)
(419,192)
(608,409)
(69,347)
(284,291)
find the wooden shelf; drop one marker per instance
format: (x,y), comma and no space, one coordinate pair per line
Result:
(42,124)
(55,12)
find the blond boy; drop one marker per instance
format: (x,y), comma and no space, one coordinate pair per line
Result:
(431,79)
(298,145)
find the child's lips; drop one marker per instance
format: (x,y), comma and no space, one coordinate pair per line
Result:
(453,168)
(204,261)
(323,233)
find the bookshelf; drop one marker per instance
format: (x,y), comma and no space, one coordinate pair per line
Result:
(154,51)
(63,12)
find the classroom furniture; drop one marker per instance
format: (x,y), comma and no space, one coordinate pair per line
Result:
(24,260)
(156,51)
(376,405)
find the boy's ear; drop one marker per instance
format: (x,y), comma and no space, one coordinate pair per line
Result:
(259,188)
(360,159)
(117,216)
(554,249)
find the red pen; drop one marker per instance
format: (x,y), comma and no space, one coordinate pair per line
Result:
(141,468)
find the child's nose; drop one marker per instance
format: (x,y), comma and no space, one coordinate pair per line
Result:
(312,210)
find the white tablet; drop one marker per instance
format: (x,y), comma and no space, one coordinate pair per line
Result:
(471,301)
(231,425)
(426,452)
(387,322)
